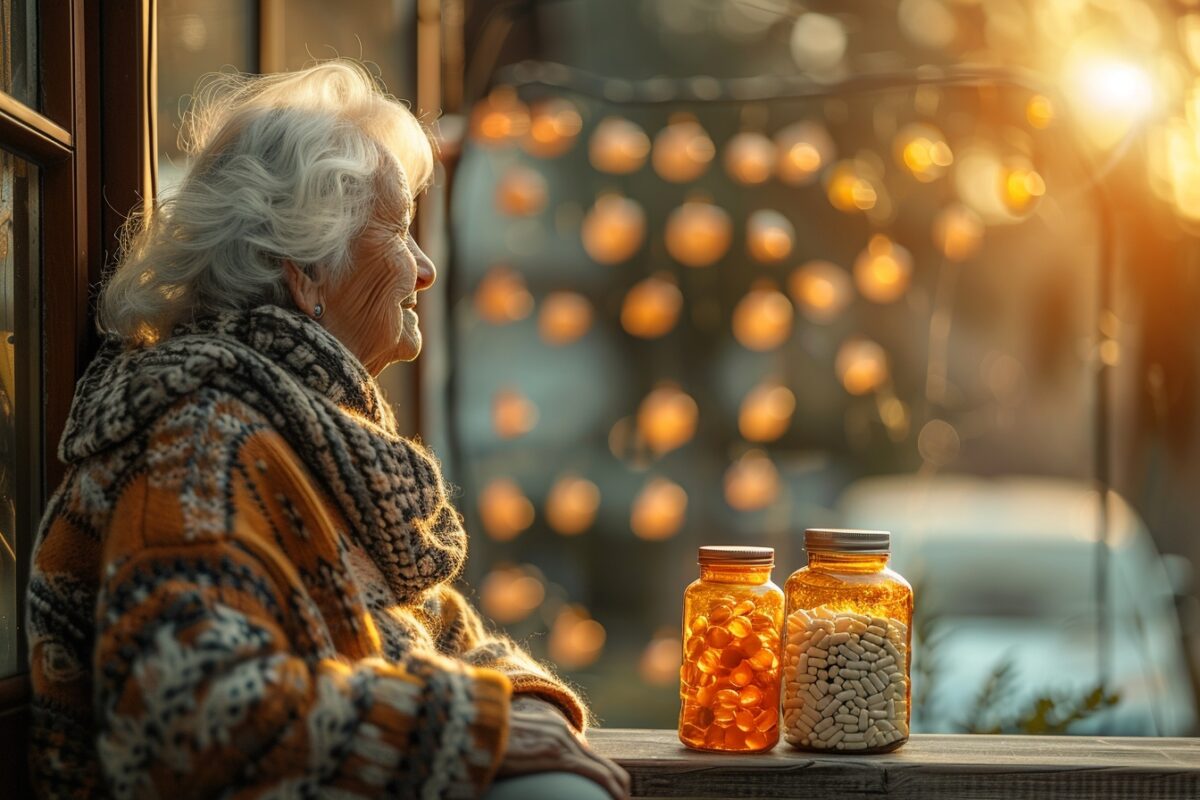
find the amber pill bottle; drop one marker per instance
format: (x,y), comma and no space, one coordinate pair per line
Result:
(847,646)
(729,681)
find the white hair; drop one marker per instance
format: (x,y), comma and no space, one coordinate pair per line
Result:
(287,166)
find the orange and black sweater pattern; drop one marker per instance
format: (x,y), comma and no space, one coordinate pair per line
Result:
(242,588)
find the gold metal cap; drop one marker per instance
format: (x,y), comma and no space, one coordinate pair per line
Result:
(737,555)
(833,540)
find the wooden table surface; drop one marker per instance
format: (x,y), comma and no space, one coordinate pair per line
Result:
(926,768)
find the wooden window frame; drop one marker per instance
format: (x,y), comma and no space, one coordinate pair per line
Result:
(92,141)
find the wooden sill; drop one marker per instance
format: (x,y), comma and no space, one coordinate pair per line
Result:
(927,768)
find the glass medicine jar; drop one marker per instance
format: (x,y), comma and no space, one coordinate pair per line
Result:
(847,646)
(729,681)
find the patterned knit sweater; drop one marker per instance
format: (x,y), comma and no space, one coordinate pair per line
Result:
(242,586)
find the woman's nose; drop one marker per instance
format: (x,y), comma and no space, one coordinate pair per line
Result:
(426,271)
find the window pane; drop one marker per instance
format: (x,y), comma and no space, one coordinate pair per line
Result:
(18,272)
(196,37)
(18,50)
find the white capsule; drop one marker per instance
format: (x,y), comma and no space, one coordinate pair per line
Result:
(873,639)
(845,695)
(817,652)
(859,701)
(806,678)
(876,681)
(886,661)
(862,719)
(839,638)
(825,723)
(816,693)
(855,647)
(825,702)
(834,738)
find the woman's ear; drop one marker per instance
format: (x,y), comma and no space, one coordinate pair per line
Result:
(308,294)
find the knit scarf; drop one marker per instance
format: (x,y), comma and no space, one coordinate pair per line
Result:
(323,402)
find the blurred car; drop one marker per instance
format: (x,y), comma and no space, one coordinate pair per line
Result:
(1007,567)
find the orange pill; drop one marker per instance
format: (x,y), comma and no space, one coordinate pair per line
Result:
(709,661)
(750,645)
(764,659)
(717,637)
(704,716)
(695,644)
(699,625)
(714,737)
(767,719)
(735,739)
(688,674)
(743,608)
(762,622)
(727,697)
(750,696)
(740,626)
(723,716)
(705,695)
(742,675)
(756,740)
(731,657)
(720,614)
(744,720)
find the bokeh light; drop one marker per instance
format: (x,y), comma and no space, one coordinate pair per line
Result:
(762,320)
(513,414)
(958,232)
(651,307)
(618,146)
(804,148)
(853,186)
(661,659)
(504,509)
(922,150)
(938,442)
(659,510)
(698,233)
(682,151)
(769,236)
(1039,112)
(613,229)
(576,639)
(501,296)
(571,505)
(883,270)
(818,42)
(821,290)
(861,366)
(1023,187)
(510,594)
(766,412)
(1109,93)
(927,23)
(564,317)
(750,158)
(666,418)
(521,192)
(980,179)
(499,118)
(554,125)
(751,482)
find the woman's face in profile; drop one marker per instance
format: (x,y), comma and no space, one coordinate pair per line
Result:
(373,309)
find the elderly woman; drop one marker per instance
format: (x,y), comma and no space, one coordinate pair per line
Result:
(244,583)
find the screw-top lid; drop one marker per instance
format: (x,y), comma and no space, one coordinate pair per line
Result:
(737,556)
(847,541)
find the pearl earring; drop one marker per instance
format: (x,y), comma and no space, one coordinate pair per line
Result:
(318,311)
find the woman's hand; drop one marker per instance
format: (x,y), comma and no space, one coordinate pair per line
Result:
(541,740)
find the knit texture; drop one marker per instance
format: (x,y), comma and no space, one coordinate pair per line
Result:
(243,585)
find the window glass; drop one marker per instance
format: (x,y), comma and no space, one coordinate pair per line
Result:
(18,270)
(196,37)
(19,51)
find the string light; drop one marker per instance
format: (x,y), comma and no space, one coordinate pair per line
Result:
(769,236)
(564,317)
(766,412)
(821,290)
(958,232)
(553,126)
(510,594)
(618,146)
(762,320)
(861,366)
(698,234)
(750,158)
(751,482)
(883,270)
(666,418)
(682,151)
(576,639)
(804,147)
(659,510)
(571,505)
(521,192)
(922,150)
(501,296)
(651,307)
(499,118)
(513,414)
(504,509)
(613,229)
